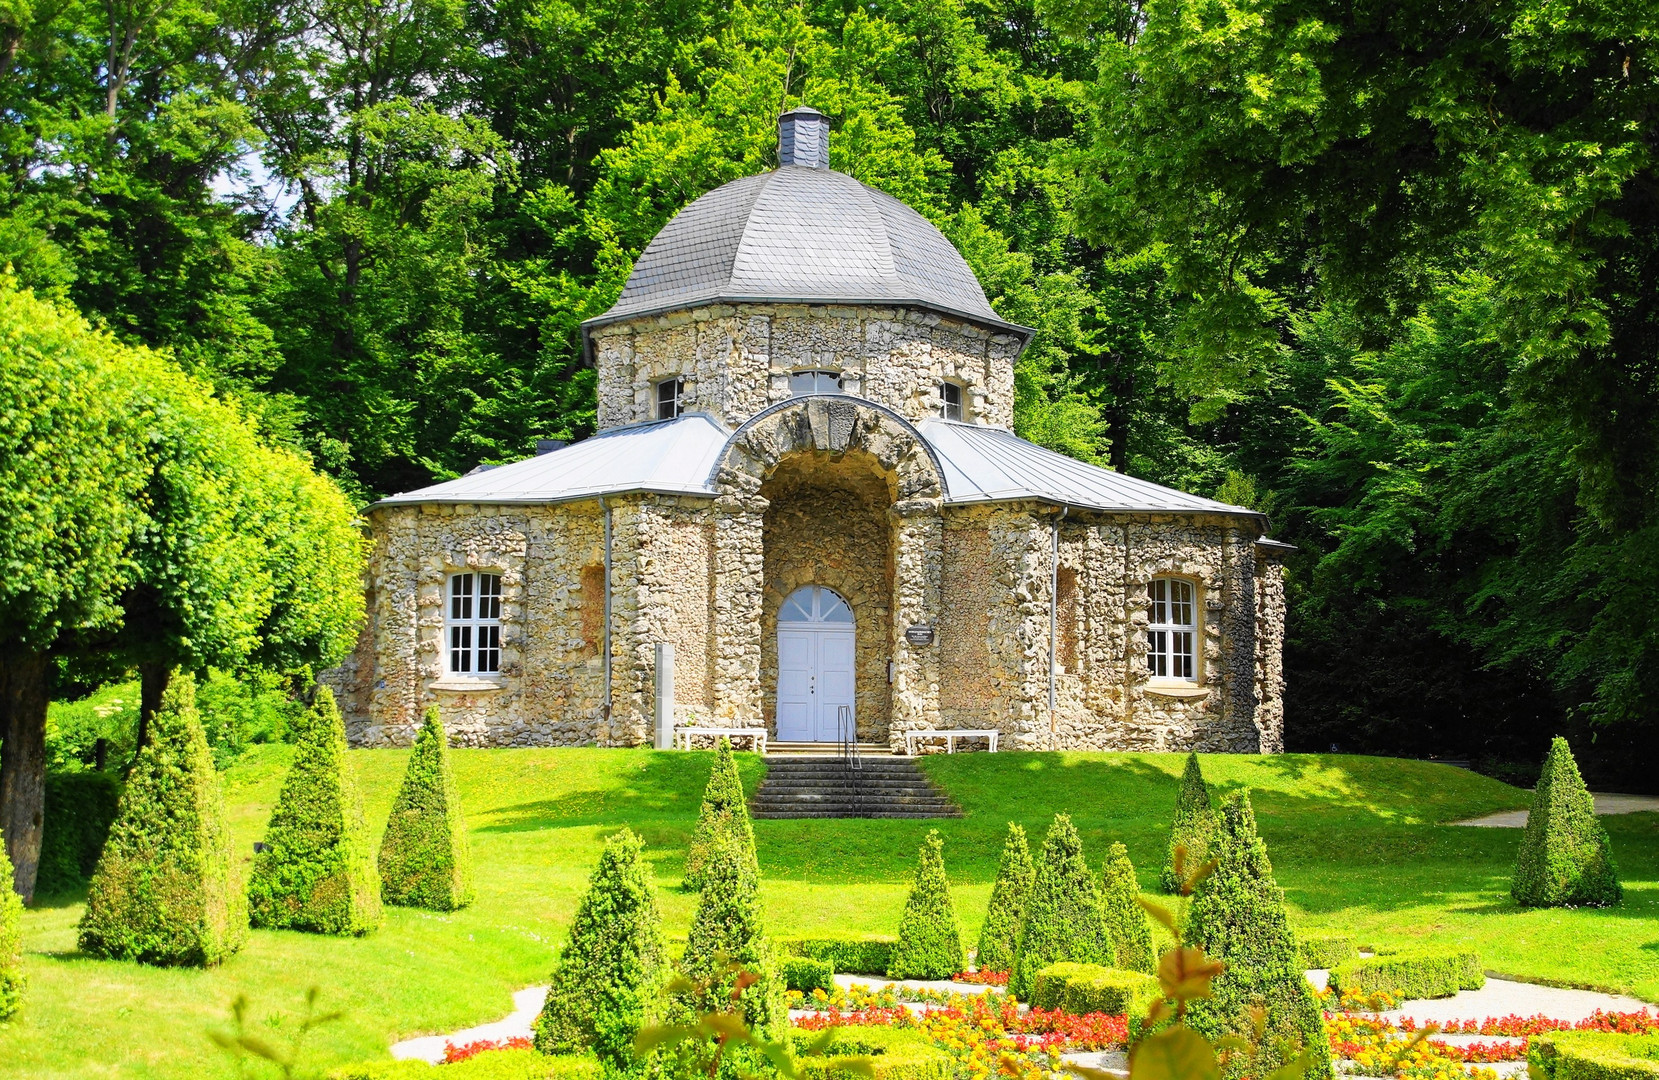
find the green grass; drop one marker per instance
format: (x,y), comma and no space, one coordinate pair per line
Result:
(1356,842)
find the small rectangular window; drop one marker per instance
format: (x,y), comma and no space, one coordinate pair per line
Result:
(950,401)
(814,382)
(474,624)
(1172,630)
(669,393)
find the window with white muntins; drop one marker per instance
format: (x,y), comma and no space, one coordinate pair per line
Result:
(670,397)
(474,624)
(950,401)
(1172,630)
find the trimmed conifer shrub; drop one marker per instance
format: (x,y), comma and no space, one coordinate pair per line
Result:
(1127,923)
(317,872)
(1001,930)
(1237,915)
(163,891)
(930,937)
(1062,912)
(425,861)
(1193,826)
(1566,859)
(728,930)
(608,972)
(724,813)
(11,941)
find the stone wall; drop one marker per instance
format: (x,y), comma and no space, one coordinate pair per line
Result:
(736,360)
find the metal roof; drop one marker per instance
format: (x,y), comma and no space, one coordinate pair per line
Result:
(801,235)
(678,457)
(669,457)
(987,464)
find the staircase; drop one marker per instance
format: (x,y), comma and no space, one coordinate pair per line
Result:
(802,783)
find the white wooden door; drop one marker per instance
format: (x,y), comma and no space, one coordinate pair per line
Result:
(816,646)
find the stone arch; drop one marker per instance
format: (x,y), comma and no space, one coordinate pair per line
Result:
(835,425)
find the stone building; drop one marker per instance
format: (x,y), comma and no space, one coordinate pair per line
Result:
(806,482)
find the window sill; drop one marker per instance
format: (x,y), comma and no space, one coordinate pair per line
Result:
(1177,689)
(461,684)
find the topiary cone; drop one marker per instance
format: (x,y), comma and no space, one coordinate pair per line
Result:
(1062,912)
(1192,828)
(1566,859)
(727,929)
(317,872)
(606,978)
(163,892)
(1001,930)
(930,937)
(425,860)
(724,813)
(11,941)
(1237,916)
(1127,923)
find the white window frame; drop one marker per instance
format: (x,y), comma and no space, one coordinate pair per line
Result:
(817,374)
(472,624)
(1172,630)
(948,409)
(674,402)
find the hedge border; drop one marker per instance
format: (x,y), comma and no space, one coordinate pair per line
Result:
(1418,974)
(850,956)
(1080,989)
(1594,1055)
(1326,951)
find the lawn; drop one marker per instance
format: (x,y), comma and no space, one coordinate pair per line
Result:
(1358,843)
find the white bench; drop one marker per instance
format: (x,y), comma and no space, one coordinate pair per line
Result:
(683,733)
(950,735)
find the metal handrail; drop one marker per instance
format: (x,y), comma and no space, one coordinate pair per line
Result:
(849,737)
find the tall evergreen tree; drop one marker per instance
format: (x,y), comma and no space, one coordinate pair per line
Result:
(726,931)
(1193,826)
(11,942)
(425,860)
(317,871)
(1566,859)
(930,936)
(605,981)
(164,892)
(1126,921)
(1237,916)
(1062,913)
(1001,930)
(724,814)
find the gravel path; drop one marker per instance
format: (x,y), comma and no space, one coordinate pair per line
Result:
(1605,804)
(527,1005)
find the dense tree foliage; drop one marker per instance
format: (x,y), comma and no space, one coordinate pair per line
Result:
(1381,271)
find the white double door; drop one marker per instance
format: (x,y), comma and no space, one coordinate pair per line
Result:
(815,681)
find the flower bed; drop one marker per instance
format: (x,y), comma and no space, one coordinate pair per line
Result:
(1372,1042)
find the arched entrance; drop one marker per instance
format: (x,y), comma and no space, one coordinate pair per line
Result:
(816,650)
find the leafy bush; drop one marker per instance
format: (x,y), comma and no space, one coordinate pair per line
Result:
(1566,859)
(1237,916)
(1001,929)
(724,814)
(1326,950)
(892,1053)
(1090,988)
(425,861)
(806,974)
(1415,975)
(317,872)
(80,808)
(11,941)
(608,972)
(489,1065)
(1193,826)
(850,955)
(930,937)
(246,709)
(163,891)
(1593,1055)
(1127,923)
(727,929)
(73,729)
(1062,912)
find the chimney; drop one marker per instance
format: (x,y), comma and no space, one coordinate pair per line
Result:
(803,138)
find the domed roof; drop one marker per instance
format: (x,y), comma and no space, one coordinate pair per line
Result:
(801,234)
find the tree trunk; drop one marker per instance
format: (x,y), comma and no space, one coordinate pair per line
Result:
(24,693)
(153,676)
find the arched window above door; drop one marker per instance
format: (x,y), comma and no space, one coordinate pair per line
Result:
(815,604)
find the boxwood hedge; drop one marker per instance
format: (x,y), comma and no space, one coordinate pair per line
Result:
(1091,988)
(1127,923)
(1062,912)
(425,861)
(849,955)
(1001,930)
(489,1065)
(11,941)
(1416,975)
(1565,859)
(724,814)
(806,974)
(1192,828)
(80,808)
(1594,1055)
(930,937)
(881,1053)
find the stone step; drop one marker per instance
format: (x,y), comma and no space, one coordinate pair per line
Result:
(884,786)
(853,812)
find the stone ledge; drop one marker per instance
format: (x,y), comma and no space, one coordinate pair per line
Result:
(1184,691)
(468,686)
